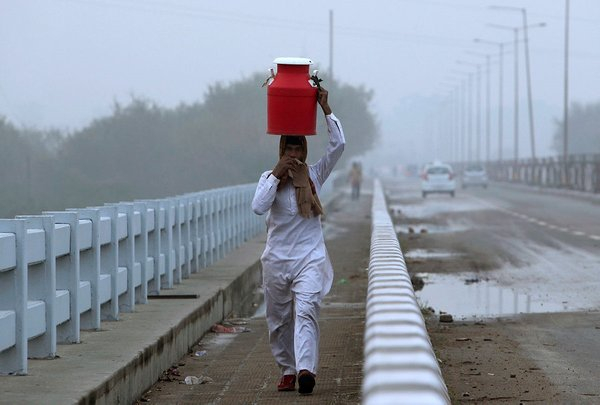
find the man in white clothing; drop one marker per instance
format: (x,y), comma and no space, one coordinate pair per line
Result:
(297,272)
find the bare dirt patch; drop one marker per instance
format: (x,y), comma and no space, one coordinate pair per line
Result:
(481,363)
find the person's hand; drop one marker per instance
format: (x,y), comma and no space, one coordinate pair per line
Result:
(322,96)
(281,168)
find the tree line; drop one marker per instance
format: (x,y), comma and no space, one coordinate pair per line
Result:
(143,150)
(584,130)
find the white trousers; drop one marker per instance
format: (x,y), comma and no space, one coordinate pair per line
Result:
(292,309)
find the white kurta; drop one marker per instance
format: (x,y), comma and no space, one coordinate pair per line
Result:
(297,272)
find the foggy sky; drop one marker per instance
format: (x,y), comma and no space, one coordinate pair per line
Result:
(64,62)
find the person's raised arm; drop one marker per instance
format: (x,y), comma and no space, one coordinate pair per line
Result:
(337,140)
(322,99)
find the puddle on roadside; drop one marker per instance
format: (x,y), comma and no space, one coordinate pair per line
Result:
(430,254)
(431,208)
(466,297)
(429,228)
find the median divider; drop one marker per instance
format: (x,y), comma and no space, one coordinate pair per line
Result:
(400,366)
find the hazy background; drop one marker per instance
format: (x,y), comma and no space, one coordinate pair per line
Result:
(67,62)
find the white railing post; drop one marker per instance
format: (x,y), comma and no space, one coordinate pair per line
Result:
(229,214)
(218,225)
(240,229)
(177,218)
(109,263)
(166,243)
(170,257)
(89,265)
(141,256)
(126,257)
(68,278)
(13,301)
(205,227)
(155,248)
(186,237)
(41,286)
(212,239)
(194,233)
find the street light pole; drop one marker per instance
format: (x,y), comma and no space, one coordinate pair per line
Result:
(478,118)
(529,96)
(566,92)
(516,114)
(331,45)
(515,31)
(478,140)
(525,27)
(487,102)
(487,111)
(463,131)
(469,115)
(457,124)
(500,90)
(463,114)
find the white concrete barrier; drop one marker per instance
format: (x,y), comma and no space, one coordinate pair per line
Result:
(400,365)
(65,271)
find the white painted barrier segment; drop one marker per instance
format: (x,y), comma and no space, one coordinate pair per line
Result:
(62,272)
(400,365)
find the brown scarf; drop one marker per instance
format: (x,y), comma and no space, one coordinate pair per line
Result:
(306,194)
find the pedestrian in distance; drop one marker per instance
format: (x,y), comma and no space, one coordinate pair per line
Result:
(355,178)
(297,273)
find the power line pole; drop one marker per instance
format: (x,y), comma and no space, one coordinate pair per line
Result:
(487,111)
(516,101)
(500,90)
(331,45)
(478,139)
(529,96)
(500,101)
(566,93)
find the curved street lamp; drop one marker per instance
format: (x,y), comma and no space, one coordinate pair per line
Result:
(524,28)
(516,81)
(500,88)
(487,57)
(478,135)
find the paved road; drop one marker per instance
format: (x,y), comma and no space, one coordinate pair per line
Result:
(507,251)
(241,366)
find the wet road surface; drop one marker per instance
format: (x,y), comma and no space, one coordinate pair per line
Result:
(528,257)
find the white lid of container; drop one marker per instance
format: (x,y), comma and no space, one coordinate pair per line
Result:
(293,61)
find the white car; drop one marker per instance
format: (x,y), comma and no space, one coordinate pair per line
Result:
(474,175)
(437,177)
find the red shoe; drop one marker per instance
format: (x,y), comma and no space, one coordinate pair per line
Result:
(306,382)
(287,383)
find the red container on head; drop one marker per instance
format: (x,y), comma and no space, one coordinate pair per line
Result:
(292,99)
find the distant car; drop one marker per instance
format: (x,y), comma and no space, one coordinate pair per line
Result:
(474,175)
(437,177)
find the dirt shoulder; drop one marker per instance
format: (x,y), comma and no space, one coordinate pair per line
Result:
(481,363)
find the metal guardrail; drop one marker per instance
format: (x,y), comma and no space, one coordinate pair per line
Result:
(400,365)
(578,172)
(65,271)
